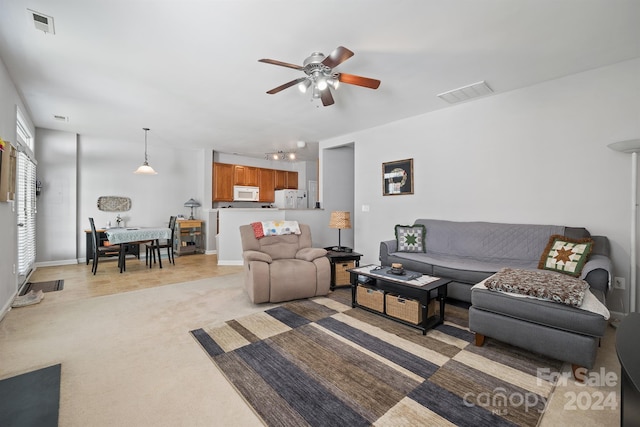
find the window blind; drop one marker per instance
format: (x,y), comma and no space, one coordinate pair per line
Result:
(26,212)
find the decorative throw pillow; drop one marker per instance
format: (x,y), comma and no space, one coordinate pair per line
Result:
(258,231)
(411,238)
(565,255)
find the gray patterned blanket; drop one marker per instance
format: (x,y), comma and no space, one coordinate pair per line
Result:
(541,284)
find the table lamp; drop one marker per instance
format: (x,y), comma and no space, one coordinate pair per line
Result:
(340,220)
(191,204)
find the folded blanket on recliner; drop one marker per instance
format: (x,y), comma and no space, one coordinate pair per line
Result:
(275,228)
(545,285)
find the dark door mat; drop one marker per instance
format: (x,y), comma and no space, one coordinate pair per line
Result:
(31,399)
(53,285)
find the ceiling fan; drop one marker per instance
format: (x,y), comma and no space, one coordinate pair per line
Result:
(320,75)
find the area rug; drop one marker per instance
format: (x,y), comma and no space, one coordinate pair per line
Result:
(320,362)
(31,399)
(50,286)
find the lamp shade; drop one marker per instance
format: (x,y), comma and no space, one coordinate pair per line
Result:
(145,169)
(191,204)
(629,146)
(340,220)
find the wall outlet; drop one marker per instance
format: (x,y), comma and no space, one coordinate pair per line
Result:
(618,283)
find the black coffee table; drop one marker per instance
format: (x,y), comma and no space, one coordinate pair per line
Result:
(411,284)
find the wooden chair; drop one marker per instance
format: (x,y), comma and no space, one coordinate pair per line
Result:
(154,246)
(99,250)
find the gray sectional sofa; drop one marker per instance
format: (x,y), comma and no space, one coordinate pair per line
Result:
(469,252)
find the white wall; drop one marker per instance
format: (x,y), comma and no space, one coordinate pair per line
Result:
(9,99)
(106,169)
(56,218)
(337,193)
(535,155)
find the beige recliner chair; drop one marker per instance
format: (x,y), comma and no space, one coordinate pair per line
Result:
(283,268)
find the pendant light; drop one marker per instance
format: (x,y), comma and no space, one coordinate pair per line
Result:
(145,169)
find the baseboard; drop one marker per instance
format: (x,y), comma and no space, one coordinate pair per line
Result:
(57,263)
(230,262)
(7,306)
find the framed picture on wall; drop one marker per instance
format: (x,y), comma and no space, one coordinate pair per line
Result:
(397,177)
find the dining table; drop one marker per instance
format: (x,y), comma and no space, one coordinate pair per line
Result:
(121,235)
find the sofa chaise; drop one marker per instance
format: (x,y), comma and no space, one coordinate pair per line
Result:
(470,252)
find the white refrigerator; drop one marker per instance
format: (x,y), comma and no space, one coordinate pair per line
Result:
(291,199)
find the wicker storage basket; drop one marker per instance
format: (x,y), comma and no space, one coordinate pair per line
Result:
(342,276)
(369,297)
(407,309)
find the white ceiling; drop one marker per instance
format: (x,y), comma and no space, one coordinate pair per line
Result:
(189,69)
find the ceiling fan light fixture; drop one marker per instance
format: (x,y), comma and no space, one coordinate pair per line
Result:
(304,85)
(322,83)
(320,75)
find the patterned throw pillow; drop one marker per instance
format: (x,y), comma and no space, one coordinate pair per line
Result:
(411,238)
(565,255)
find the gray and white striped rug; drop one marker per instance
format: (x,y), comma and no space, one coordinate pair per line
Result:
(319,362)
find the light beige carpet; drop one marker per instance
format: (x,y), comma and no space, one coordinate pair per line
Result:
(129,359)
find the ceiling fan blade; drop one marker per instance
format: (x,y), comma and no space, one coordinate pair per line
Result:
(282,64)
(337,57)
(327,98)
(352,79)
(286,85)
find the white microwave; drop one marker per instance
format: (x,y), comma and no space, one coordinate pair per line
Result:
(242,193)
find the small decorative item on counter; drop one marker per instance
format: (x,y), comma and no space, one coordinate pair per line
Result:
(118,220)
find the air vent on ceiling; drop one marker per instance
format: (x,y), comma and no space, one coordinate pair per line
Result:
(61,118)
(42,22)
(466,92)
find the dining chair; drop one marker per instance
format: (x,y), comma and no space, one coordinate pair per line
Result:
(100,250)
(156,246)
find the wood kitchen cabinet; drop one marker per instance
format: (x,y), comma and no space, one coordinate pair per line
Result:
(267,185)
(226,175)
(245,175)
(286,180)
(292,180)
(223,177)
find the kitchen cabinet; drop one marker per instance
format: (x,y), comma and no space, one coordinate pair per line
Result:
(245,175)
(267,184)
(226,175)
(223,176)
(292,180)
(286,180)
